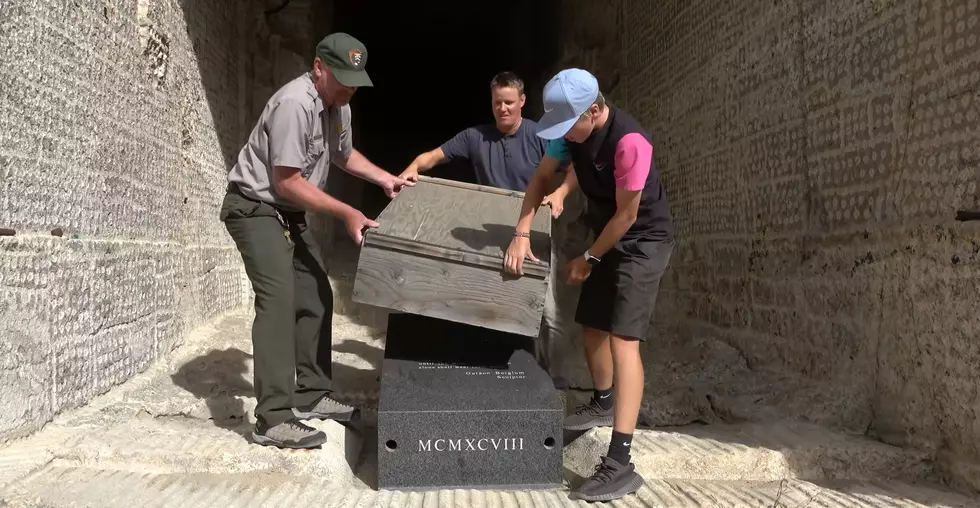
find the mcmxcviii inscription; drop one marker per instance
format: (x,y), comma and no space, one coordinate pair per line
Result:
(472,445)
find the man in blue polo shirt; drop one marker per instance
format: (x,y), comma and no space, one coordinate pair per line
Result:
(503,154)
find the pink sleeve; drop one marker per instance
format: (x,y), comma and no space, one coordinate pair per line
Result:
(633,156)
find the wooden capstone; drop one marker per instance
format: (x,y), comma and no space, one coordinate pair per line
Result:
(439,252)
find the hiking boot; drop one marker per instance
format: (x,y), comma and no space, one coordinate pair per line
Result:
(289,434)
(610,481)
(588,416)
(327,409)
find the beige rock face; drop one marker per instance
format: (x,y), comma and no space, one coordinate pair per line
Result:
(118,120)
(815,155)
(166,438)
(191,414)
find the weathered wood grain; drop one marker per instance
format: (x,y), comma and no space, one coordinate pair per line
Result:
(462,217)
(456,292)
(472,186)
(439,253)
(394,243)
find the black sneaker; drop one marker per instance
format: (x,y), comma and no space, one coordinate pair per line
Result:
(327,409)
(289,434)
(588,416)
(610,481)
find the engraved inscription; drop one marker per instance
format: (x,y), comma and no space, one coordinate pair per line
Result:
(468,371)
(483,444)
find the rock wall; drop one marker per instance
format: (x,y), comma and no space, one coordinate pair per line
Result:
(118,122)
(815,154)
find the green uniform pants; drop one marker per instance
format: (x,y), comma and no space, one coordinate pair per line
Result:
(291,334)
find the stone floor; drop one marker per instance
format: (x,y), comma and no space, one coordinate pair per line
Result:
(174,436)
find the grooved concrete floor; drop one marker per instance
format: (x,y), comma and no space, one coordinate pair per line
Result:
(173,436)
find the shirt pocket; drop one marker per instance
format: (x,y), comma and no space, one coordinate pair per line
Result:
(315,145)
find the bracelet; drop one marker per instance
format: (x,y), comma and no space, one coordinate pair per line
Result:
(522,233)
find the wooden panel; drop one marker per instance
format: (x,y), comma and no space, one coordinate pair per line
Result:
(439,253)
(463,217)
(456,292)
(452,255)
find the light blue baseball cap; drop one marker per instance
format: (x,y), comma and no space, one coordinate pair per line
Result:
(566,97)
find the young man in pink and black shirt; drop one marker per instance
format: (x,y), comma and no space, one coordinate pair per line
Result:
(620,273)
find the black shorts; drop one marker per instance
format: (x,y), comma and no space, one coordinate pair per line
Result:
(620,294)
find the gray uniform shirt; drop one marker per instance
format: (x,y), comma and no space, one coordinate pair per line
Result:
(296,131)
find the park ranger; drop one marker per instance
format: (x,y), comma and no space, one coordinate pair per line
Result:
(279,176)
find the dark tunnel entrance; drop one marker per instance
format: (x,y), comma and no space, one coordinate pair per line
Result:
(431,63)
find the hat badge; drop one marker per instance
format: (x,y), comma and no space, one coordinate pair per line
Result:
(354,56)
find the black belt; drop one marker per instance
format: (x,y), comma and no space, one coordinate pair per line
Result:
(286,218)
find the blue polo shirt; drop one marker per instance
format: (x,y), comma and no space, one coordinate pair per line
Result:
(499,160)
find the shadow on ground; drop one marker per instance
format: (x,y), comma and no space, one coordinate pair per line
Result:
(366,470)
(219,378)
(222,378)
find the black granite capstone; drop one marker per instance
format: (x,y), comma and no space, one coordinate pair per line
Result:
(465,407)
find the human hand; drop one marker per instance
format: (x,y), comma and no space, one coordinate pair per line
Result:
(394,184)
(411,173)
(555,200)
(520,247)
(355,223)
(578,270)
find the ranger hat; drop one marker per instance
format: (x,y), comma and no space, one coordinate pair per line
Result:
(346,57)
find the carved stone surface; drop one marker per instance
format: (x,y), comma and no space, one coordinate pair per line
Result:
(464,407)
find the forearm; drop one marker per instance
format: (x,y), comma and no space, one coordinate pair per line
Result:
(429,159)
(612,233)
(533,196)
(535,192)
(308,196)
(359,165)
(569,184)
